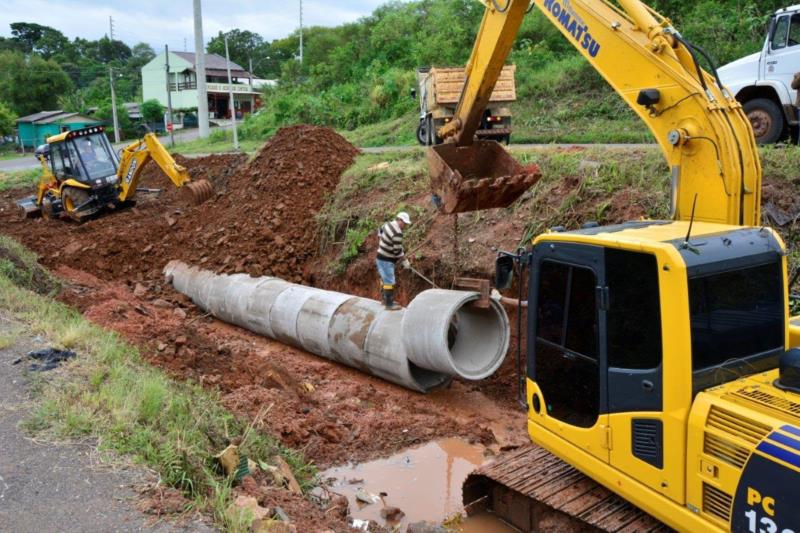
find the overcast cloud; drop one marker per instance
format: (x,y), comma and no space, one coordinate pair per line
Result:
(160,22)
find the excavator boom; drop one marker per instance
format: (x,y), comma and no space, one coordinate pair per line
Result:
(700,128)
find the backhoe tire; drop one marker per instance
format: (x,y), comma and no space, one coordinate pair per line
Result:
(422,133)
(72,198)
(767,119)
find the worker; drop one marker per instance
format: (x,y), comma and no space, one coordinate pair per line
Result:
(390,252)
(796,87)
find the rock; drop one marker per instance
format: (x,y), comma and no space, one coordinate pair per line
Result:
(249,502)
(161,346)
(286,472)
(179,313)
(181,340)
(273,526)
(163,304)
(139,290)
(392,514)
(147,248)
(425,527)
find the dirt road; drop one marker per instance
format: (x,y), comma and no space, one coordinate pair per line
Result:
(54,487)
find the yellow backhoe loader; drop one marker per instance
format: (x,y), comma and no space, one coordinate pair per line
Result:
(661,367)
(81,175)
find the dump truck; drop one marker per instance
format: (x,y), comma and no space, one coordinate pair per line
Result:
(439,92)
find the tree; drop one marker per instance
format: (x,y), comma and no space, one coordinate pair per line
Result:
(152,111)
(32,84)
(141,54)
(243,45)
(7,120)
(42,40)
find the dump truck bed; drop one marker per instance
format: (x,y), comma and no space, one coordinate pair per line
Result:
(447,84)
(534,490)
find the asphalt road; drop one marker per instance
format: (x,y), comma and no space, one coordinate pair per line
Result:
(25,163)
(54,487)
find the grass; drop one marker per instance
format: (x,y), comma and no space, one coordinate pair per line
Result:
(133,409)
(17,179)
(6,155)
(369,192)
(400,131)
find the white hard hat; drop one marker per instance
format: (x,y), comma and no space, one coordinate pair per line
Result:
(402,215)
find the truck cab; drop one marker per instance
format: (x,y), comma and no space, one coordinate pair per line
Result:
(762,82)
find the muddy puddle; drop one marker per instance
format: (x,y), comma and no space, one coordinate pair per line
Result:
(424,483)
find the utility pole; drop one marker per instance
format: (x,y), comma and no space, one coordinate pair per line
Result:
(200,71)
(111,27)
(230,95)
(184,44)
(250,59)
(113,104)
(301,32)
(170,125)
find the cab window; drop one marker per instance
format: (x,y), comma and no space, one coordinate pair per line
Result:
(56,161)
(567,368)
(786,32)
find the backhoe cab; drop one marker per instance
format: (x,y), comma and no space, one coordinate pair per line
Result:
(81,175)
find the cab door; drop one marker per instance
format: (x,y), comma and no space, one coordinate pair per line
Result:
(783,51)
(566,352)
(636,388)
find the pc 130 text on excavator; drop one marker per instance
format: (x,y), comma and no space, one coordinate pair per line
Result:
(659,353)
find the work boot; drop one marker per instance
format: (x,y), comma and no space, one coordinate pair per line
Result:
(388,300)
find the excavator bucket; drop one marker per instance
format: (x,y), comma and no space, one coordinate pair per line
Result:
(197,192)
(27,208)
(480,176)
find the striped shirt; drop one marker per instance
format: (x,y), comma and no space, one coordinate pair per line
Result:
(390,243)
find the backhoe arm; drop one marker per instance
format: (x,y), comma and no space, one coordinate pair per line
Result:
(138,154)
(701,129)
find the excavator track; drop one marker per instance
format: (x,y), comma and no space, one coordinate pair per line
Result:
(533,490)
(197,192)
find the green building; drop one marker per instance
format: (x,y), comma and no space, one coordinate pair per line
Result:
(34,130)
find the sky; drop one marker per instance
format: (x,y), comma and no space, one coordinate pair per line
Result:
(160,22)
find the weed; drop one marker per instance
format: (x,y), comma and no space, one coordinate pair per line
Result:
(19,179)
(134,409)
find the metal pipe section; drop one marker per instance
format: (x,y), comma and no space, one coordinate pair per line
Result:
(441,335)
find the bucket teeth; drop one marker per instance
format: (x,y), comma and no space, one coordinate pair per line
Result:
(480,176)
(198,192)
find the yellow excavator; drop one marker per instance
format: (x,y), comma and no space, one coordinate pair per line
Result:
(81,175)
(662,385)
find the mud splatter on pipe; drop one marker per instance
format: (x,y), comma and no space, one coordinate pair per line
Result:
(441,335)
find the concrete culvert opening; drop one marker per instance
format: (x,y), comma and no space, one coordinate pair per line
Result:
(479,341)
(444,331)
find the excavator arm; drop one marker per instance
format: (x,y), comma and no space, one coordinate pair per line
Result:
(700,127)
(137,155)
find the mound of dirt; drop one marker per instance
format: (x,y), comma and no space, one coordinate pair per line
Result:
(261,220)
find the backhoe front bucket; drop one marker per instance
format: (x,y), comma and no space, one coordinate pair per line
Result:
(27,208)
(197,192)
(480,176)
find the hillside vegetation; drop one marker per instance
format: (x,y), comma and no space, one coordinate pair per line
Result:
(357,77)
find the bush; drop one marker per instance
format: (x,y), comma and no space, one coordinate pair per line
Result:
(152,111)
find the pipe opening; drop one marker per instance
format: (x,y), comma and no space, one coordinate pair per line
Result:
(478,340)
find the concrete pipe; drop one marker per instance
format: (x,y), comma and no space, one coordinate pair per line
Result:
(440,336)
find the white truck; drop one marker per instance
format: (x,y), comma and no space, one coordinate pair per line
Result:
(762,82)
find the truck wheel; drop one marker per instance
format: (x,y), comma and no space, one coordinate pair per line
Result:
(433,139)
(422,133)
(767,120)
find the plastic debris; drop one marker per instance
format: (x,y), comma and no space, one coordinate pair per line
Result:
(48,359)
